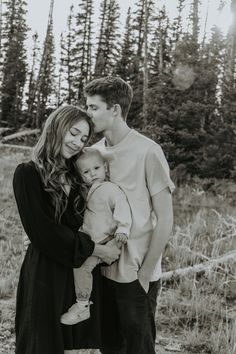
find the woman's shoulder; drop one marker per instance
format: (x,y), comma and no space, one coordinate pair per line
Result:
(26,169)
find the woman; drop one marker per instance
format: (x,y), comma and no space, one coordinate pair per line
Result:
(50,202)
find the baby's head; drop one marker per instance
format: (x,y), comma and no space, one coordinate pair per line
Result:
(91,166)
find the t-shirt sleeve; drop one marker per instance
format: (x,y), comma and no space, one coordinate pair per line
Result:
(36,211)
(157,171)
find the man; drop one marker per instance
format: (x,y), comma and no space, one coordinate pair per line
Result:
(138,165)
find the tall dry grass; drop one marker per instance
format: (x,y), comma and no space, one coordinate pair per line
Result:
(194,310)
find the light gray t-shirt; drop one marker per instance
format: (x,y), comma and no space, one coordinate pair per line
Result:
(138,166)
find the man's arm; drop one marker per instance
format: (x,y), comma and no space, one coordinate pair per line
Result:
(162,206)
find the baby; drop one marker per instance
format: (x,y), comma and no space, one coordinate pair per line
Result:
(107,214)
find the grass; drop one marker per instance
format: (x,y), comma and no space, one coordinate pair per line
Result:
(194,311)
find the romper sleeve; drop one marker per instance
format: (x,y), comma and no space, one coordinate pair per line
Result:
(121,211)
(56,241)
(157,171)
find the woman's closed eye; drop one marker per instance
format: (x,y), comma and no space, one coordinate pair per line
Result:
(73,132)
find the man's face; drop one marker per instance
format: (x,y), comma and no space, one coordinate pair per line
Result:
(102,117)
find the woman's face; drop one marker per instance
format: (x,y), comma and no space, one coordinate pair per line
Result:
(75,139)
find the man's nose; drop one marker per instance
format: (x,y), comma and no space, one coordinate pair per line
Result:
(89,113)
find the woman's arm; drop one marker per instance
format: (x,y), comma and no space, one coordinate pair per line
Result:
(54,240)
(108,252)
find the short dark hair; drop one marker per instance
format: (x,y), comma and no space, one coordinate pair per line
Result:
(113,90)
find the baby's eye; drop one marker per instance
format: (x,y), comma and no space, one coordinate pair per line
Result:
(85,172)
(97,167)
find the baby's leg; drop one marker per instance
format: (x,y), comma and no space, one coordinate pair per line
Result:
(83,278)
(80,311)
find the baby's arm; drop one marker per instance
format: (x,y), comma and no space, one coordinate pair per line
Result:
(122,216)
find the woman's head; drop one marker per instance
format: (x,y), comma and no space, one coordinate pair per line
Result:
(67,130)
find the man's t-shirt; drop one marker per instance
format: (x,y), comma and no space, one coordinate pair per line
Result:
(138,166)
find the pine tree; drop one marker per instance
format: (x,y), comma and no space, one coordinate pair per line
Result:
(14,68)
(143,30)
(31,90)
(83,48)
(68,61)
(124,65)
(228,107)
(45,80)
(1,59)
(177,26)
(107,49)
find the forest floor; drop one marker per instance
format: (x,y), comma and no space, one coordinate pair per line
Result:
(195,308)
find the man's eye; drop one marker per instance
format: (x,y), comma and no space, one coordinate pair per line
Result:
(97,167)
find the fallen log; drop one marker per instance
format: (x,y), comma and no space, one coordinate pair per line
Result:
(20,134)
(200,267)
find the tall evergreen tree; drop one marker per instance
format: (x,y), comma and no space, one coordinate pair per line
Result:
(68,61)
(124,65)
(229,79)
(31,90)
(83,47)
(228,107)
(143,17)
(14,68)
(107,49)
(1,59)
(45,81)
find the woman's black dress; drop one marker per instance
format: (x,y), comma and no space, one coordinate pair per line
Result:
(46,286)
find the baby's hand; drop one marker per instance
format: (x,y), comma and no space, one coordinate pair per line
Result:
(121,238)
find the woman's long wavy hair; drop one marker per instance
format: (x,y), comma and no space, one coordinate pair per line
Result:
(53,168)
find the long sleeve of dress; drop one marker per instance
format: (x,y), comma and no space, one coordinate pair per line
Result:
(56,241)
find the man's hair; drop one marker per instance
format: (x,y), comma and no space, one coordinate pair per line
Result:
(113,90)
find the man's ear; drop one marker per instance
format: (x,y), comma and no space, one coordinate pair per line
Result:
(117,109)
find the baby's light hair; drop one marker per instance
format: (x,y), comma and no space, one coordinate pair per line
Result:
(88,152)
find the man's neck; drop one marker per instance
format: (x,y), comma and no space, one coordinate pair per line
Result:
(116,134)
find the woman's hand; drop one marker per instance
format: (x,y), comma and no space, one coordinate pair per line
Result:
(108,253)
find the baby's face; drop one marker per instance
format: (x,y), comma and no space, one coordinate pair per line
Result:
(92,169)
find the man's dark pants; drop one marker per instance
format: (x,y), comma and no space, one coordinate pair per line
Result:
(128,317)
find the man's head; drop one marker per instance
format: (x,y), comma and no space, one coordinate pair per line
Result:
(106,98)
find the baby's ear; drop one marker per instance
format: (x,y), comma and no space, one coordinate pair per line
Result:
(106,170)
